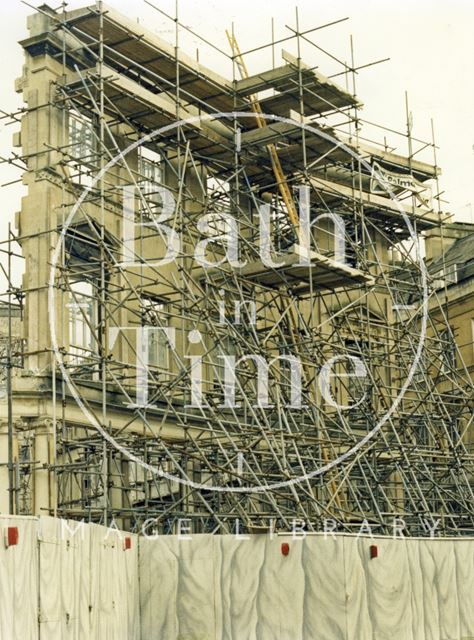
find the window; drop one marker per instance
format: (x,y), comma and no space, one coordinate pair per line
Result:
(356,387)
(155,317)
(150,172)
(82,319)
(81,138)
(445,277)
(150,176)
(225,347)
(82,149)
(472,338)
(218,206)
(448,350)
(158,348)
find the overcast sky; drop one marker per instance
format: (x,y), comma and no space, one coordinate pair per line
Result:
(430,46)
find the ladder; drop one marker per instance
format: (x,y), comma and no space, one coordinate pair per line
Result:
(293,216)
(261,122)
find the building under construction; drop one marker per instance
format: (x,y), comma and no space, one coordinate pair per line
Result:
(225,310)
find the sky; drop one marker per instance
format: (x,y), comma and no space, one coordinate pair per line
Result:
(429,43)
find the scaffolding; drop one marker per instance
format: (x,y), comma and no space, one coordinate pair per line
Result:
(122,131)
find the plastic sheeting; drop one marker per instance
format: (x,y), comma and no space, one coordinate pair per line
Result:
(70,581)
(223,588)
(114,587)
(19,581)
(67,580)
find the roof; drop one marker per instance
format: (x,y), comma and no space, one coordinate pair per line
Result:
(460,256)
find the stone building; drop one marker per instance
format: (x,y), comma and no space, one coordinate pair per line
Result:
(215,287)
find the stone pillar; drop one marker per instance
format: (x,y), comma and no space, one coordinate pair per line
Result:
(4,502)
(44,495)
